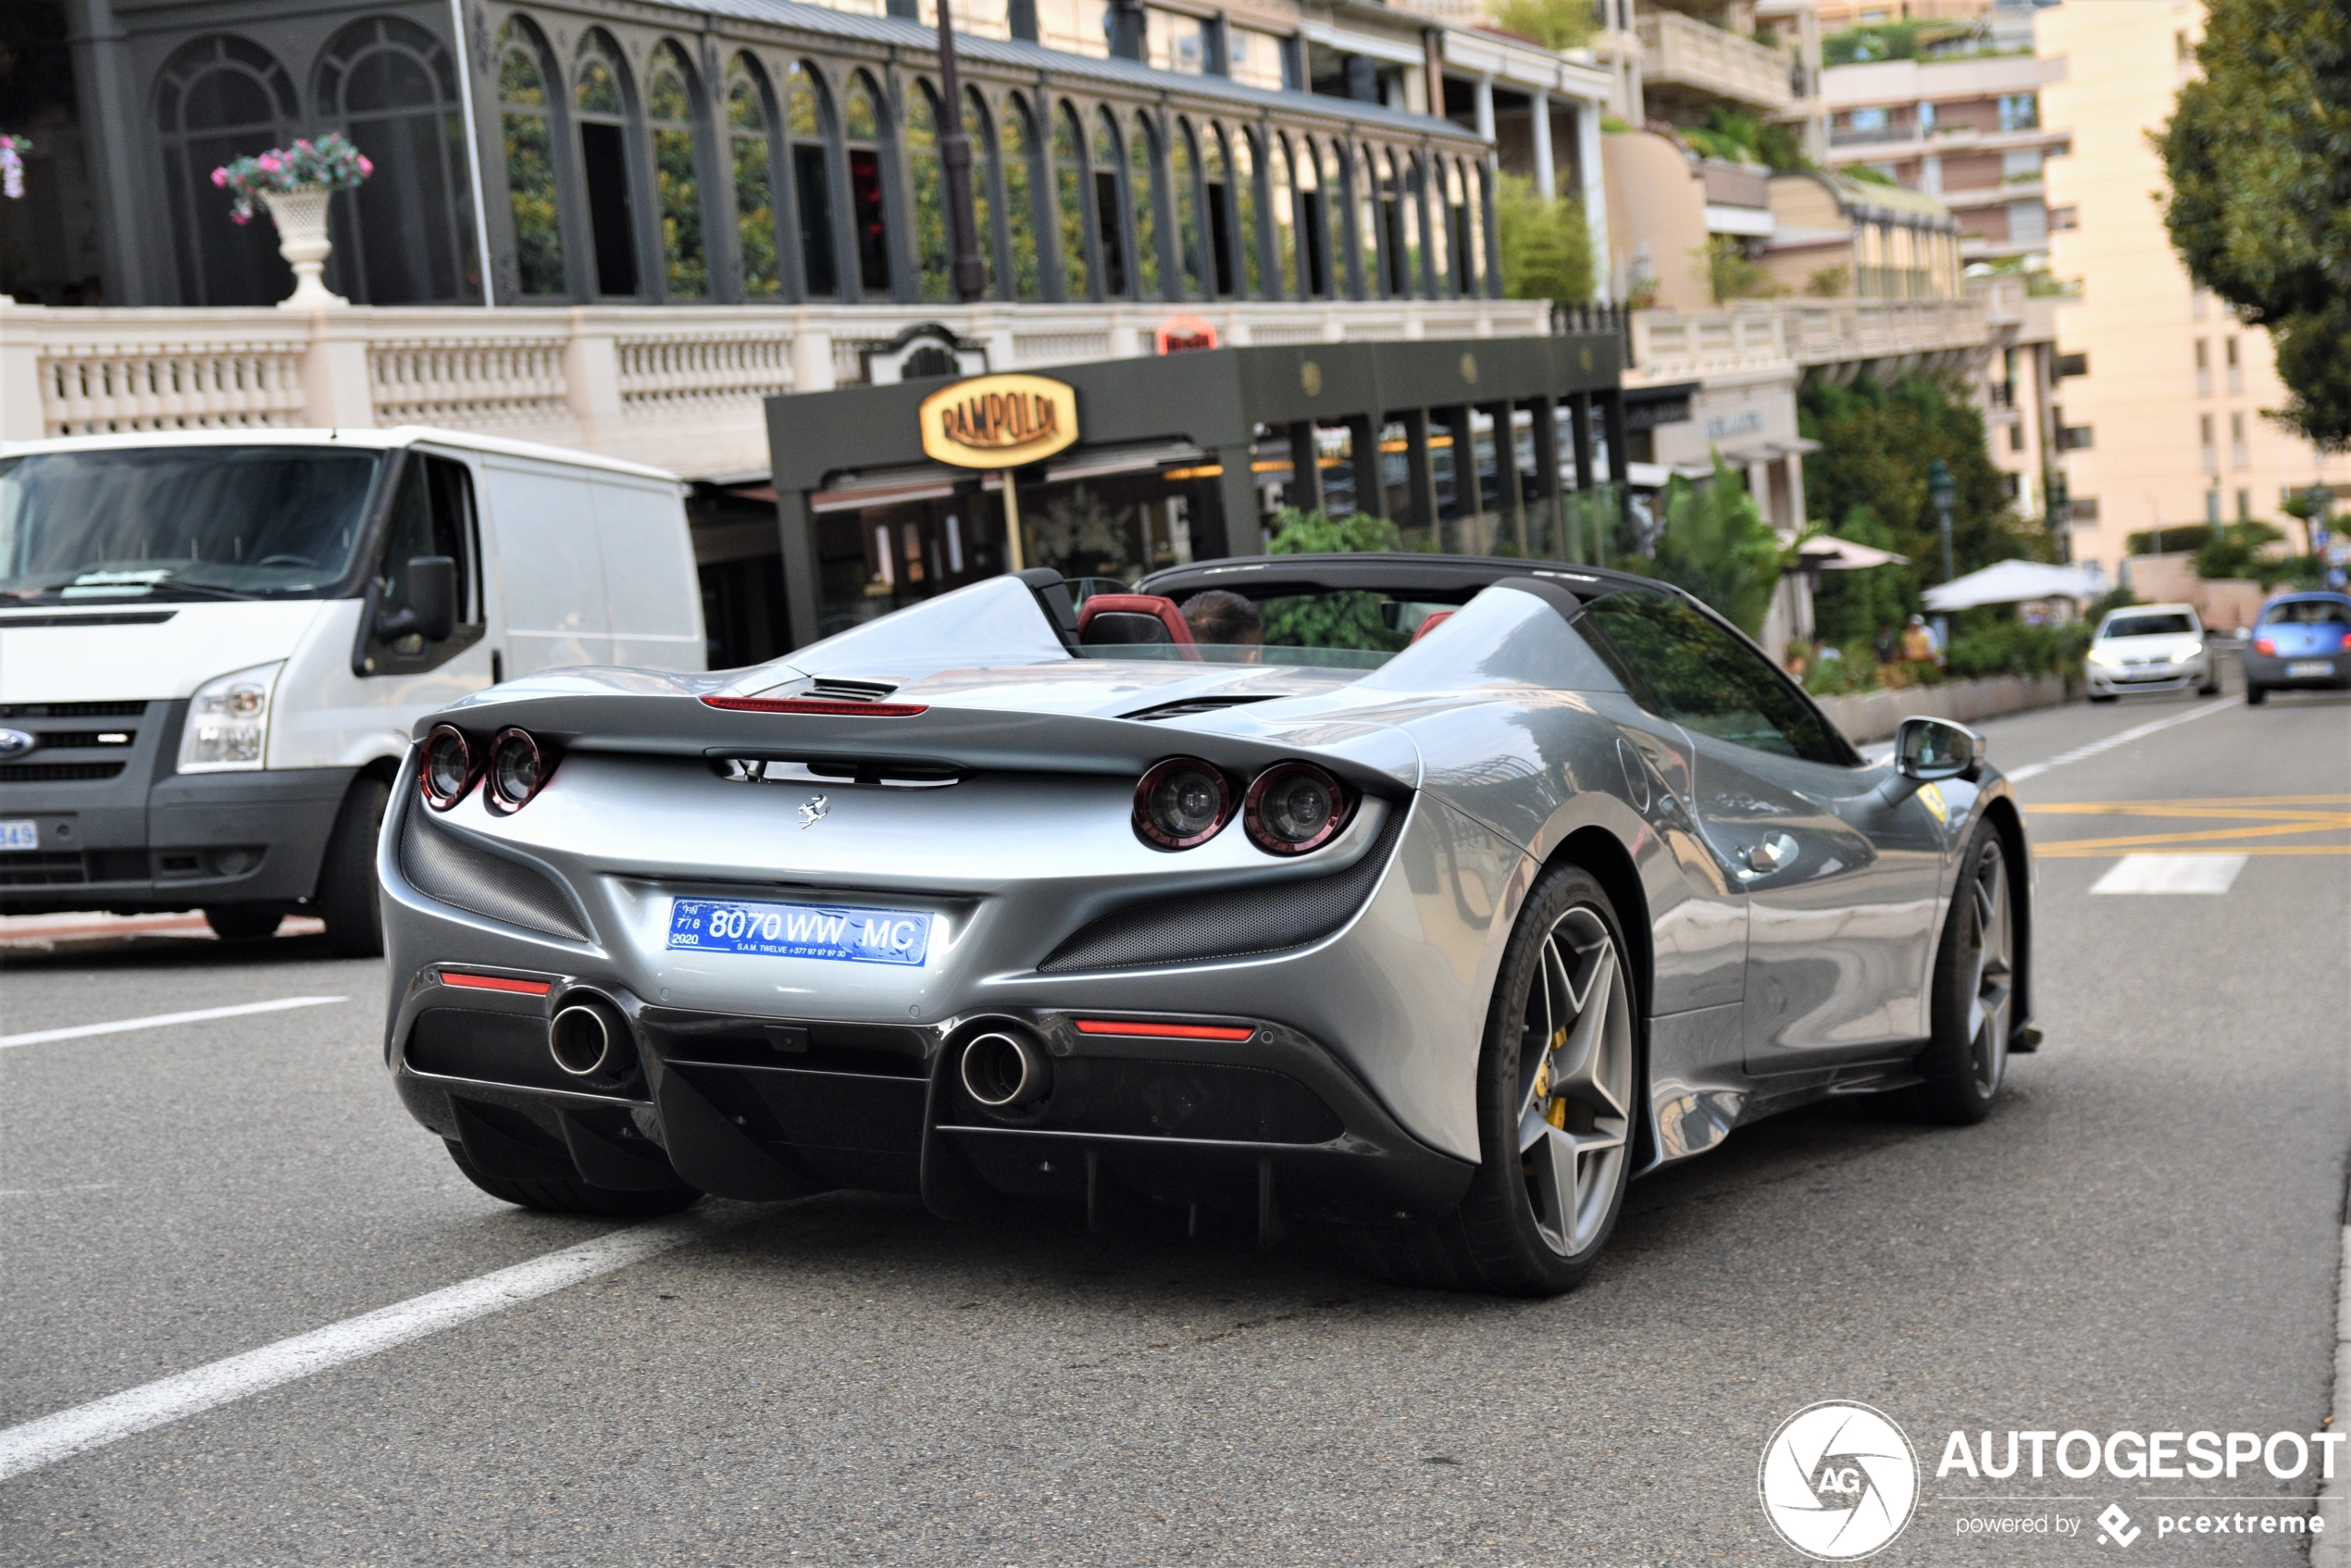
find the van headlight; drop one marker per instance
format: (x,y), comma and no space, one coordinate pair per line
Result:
(228,730)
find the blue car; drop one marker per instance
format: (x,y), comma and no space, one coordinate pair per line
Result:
(2302,642)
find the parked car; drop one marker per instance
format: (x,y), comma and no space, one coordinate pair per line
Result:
(213,646)
(1435,900)
(2150,648)
(2301,641)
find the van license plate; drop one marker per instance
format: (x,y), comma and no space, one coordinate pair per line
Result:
(19,835)
(839,932)
(2306,669)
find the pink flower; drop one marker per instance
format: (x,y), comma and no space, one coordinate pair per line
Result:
(220,176)
(240,218)
(269,162)
(366,167)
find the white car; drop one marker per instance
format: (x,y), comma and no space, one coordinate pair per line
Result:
(2151,648)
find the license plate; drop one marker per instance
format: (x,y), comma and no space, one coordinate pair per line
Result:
(19,835)
(2303,668)
(839,932)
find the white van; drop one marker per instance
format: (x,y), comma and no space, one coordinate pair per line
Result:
(213,644)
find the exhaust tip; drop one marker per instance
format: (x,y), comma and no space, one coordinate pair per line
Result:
(1004,1070)
(591,1039)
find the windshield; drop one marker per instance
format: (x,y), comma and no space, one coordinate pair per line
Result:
(1351,629)
(2309,611)
(209,522)
(2149,626)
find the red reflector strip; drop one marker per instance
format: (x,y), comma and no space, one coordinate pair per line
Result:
(812,705)
(494,983)
(1162,1031)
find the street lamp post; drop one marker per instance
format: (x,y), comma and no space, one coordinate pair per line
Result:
(1943,492)
(969,272)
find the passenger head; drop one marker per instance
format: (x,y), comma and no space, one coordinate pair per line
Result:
(1219,617)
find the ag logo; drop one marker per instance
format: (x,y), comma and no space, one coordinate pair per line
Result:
(1838,1481)
(812,812)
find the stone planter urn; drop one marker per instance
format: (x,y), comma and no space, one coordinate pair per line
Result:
(301,217)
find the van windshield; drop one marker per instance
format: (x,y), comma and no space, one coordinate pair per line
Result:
(204,522)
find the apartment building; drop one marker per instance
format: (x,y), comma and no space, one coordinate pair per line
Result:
(1967,132)
(2164,388)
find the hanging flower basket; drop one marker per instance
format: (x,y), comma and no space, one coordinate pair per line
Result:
(293,183)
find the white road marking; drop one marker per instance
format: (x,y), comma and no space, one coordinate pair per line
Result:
(69,1431)
(2137,732)
(162,1020)
(2170,874)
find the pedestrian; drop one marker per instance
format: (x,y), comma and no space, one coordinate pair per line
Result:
(1918,643)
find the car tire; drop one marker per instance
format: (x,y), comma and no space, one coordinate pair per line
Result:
(1557,1137)
(2256,696)
(2104,696)
(573,1197)
(1974,1003)
(242,922)
(348,897)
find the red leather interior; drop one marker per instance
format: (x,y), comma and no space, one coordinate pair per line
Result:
(1162,610)
(1432,624)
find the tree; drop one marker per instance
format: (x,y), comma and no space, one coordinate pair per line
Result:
(1854,606)
(1729,273)
(1329,620)
(1547,247)
(1555,24)
(2258,152)
(1716,544)
(1876,445)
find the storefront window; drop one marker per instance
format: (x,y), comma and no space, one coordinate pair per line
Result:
(1024,198)
(526,119)
(811,182)
(1069,191)
(754,180)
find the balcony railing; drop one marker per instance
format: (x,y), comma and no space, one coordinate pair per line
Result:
(1800,334)
(681,389)
(1677,52)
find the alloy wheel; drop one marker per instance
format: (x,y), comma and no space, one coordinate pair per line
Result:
(1575,1079)
(1991,953)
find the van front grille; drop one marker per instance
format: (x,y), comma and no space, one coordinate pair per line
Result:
(40,868)
(72,710)
(58,772)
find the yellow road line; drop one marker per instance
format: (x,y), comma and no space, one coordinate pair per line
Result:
(2062,850)
(2140,840)
(2223,801)
(2316,818)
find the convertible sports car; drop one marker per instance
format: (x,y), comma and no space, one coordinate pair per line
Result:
(1440,898)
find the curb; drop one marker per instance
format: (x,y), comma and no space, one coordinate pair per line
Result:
(2332,1549)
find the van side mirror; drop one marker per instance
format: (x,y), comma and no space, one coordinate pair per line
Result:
(1928,749)
(433,603)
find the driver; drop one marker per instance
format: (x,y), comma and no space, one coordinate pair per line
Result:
(1222,619)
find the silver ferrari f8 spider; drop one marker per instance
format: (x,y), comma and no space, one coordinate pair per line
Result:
(1429,898)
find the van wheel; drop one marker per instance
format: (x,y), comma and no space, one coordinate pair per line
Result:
(347,899)
(242,923)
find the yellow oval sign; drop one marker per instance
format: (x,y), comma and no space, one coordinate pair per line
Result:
(998,421)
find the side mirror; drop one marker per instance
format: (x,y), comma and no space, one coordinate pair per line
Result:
(2243,634)
(433,603)
(1929,749)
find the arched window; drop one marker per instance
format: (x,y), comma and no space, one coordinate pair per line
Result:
(1216,200)
(806,119)
(599,99)
(406,237)
(525,114)
(1069,193)
(984,207)
(1339,220)
(218,99)
(1428,180)
(1184,164)
(1248,277)
(1143,193)
(861,138)
(1371,222)
(1282,209)
(751,157)
(927,178)
(1313,234)
(1392,266)
(1471,242)
(673,106)
(1024,198)
(1110,212)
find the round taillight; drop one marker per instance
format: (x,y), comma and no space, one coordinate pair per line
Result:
(447,771)
(1293,807)
(1181,803)
(517,769)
